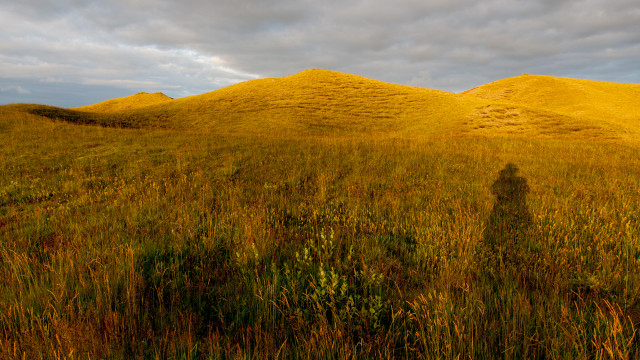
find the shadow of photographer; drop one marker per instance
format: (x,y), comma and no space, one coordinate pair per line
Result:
(510,218)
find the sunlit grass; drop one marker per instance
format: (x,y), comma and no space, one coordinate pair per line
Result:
(596,105)
(136,101)
(121,243)
(320,102)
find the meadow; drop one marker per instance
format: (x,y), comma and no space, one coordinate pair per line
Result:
(153,243)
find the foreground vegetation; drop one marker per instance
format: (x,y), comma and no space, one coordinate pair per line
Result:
(126,243)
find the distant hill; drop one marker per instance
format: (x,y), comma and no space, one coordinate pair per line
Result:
(320,102)
(136,101)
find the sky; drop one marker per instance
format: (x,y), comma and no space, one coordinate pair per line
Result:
(77,52)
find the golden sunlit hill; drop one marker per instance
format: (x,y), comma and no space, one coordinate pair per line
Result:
(606,104)
(126,103)
(324,215)
(319,102)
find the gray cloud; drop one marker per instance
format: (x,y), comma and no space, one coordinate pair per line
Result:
(16,89)
(58,49)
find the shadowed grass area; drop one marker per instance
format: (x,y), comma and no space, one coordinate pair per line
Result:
(138,243)
(135,119)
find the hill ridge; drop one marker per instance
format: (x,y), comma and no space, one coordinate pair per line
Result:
(318,101)
(610,103)
(136,101)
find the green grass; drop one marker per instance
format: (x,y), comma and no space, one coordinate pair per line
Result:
(128,243)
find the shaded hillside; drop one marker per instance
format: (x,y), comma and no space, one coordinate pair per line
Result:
(126,103)
(127,119)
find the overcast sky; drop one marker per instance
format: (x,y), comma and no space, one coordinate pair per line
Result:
(78,52)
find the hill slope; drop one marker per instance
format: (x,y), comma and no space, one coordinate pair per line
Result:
(328,102)
(136,101)
(613,104)
(319,102)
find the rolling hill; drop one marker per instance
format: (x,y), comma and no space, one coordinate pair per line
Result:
(607,104)
(326,102)
(596,99)
(431,226)
(319,101)
(136,101)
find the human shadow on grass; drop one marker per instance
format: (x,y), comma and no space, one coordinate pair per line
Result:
(504,262)
(510,218)
(509,250)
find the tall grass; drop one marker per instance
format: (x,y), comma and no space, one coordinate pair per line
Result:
(163,244)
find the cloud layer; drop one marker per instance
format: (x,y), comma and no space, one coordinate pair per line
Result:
(76,52)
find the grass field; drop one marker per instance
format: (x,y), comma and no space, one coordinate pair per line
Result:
(164,243)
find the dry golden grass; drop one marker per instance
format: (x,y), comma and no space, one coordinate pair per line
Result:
(139,242)
(136,101)
(322,102)
(169,244)
(579,104)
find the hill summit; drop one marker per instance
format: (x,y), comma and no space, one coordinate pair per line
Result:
(320,100)
(136,101)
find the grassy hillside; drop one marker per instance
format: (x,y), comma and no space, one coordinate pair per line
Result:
(314,102)
(320,102)
(131,119)
(595,102)
(154,243)
(136,101)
